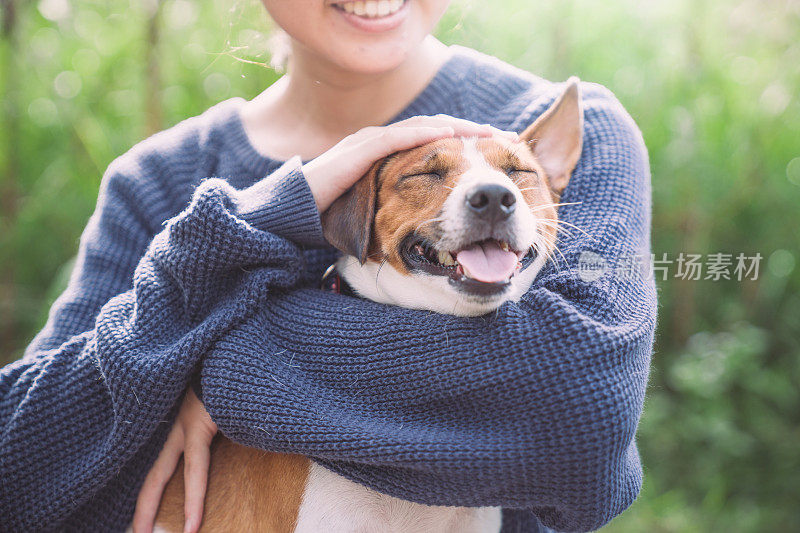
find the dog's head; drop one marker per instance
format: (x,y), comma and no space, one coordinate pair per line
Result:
(459,225)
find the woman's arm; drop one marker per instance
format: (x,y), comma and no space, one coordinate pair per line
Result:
(533,407)
(83,415)
(89,411)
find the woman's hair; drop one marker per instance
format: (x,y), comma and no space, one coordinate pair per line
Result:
(279,49)
(271,46)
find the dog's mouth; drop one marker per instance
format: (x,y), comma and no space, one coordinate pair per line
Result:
(482,268)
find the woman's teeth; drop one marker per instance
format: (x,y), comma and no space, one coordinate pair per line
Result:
(372,8)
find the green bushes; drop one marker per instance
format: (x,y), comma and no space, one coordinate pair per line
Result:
(713,85)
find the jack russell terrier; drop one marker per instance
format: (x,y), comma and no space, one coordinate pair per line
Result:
(456,226)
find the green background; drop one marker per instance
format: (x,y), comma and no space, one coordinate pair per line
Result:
(712,83)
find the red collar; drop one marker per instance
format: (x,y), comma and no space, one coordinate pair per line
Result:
(333,282)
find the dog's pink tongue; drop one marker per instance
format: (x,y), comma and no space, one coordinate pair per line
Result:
(487,262)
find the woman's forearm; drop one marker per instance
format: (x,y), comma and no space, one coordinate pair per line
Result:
(92,412)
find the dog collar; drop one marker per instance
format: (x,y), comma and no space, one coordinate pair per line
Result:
(333,282)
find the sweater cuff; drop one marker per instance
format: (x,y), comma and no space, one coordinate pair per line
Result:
(282,204)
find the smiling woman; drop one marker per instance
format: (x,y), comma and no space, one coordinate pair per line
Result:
(713,85)
(195,300)
(366,37)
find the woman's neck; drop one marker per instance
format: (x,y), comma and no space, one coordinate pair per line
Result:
(344,101)
(322,103)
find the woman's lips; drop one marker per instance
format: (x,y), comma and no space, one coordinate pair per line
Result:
(373,15)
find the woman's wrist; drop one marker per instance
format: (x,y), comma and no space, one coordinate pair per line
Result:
(284,204)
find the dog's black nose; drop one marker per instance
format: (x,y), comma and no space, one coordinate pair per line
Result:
(491,202)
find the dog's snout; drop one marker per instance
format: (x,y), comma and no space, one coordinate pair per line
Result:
(491,202)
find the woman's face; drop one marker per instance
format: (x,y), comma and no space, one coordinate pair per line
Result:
(366,36)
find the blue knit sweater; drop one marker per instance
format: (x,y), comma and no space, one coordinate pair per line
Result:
(532,408)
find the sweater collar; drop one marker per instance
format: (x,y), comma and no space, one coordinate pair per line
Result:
(441,95)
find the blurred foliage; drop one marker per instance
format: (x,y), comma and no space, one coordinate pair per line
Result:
(712,83)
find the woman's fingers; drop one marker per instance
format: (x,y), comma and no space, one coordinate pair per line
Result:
(396,139)
(191,436)
(335,171)
(510,135)
(461,127)
(392,140)
(150,495)
(196,459)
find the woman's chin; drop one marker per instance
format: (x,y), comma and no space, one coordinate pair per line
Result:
(372,59)
(374,56)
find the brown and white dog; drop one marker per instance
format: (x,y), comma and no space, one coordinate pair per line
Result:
(457,226)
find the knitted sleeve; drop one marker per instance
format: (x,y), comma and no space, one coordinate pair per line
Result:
(84,414)
(533,407)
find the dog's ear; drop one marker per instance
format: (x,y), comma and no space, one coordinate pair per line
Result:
(347,224)
(556,137)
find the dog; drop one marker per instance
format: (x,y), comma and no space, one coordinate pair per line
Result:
(457,226)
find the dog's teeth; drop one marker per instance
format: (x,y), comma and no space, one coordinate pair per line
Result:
(504,246)
(445,258)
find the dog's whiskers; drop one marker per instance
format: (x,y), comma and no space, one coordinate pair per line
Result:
(577,228)
(557,249)
(378,273)
(557,228)
(560,222)
(549,255)
(537,249)
(429,221)
(545,206)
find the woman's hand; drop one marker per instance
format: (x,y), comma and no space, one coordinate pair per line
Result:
(336,170)
(191,436)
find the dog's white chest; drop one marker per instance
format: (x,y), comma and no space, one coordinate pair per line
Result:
(334,504)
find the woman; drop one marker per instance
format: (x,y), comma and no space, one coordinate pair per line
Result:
(533,409)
